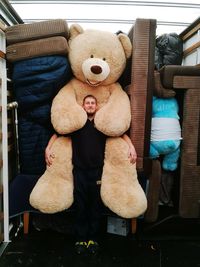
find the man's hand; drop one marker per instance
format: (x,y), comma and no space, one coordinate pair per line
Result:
(132,154)
(49,156)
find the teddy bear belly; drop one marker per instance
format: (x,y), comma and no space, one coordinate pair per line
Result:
(165,129)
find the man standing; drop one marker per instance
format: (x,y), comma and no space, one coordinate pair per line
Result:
(88,147)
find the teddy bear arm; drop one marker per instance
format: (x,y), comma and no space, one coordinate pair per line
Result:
(66,114)
(113,119)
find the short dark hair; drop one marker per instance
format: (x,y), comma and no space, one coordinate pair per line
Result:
(91,97)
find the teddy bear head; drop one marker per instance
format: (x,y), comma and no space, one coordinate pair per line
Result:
(98,57)
(165,108)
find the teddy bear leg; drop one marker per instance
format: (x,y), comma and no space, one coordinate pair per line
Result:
(170,160)
(120,189)
(153,152)
(54,190)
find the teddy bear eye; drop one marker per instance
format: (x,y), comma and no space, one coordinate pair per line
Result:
(92,56)
(104,59)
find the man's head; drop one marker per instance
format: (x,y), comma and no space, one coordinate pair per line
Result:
(90,104)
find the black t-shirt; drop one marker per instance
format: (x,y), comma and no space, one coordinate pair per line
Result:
(88,147)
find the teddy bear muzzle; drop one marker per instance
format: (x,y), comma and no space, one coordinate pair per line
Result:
(95,70)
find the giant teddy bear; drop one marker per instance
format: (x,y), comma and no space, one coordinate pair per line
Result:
(97,59)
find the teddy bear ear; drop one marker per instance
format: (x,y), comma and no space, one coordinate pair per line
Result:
(75,30)
(126,43)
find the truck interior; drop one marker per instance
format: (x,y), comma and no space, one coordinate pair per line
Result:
(173,197)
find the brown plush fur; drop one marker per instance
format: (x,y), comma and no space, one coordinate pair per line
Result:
(120,190)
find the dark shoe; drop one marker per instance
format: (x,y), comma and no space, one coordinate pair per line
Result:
(81,247)
(93,247)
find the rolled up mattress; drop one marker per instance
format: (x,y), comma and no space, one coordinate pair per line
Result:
(38,30)
(43,47)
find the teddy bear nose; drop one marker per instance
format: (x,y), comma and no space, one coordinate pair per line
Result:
(96,69)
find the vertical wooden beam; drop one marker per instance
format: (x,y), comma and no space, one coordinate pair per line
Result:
(26,222)
(133,225)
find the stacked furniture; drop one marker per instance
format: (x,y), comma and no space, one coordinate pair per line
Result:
(37,54)
(184,82)
(142,82)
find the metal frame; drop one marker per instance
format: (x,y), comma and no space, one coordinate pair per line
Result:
(110,3)
(8,15)
(105,2)
(4,170)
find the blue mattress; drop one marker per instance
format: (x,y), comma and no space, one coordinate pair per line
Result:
(35,82)
(33,139)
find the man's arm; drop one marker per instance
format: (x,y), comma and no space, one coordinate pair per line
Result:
(131,153)
(49,156)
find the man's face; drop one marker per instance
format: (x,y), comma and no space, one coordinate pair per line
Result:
(90,105)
